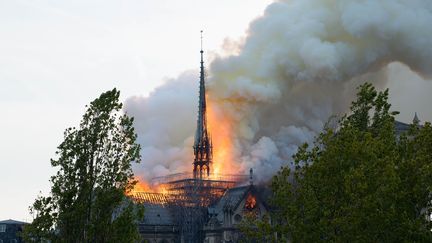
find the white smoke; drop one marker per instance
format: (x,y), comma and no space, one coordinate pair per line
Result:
(164,122)
(297,66)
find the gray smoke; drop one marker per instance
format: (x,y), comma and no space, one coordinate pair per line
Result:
(297,66)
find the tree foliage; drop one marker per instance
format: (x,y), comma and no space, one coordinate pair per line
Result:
(257,230)
(360,182)
(87,202)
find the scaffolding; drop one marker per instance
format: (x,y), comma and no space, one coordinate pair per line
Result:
(186,175)
(188,198)
(150,198)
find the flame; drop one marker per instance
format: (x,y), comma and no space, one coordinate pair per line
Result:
(250,202)
(143,186)
(140,186)
(220,126)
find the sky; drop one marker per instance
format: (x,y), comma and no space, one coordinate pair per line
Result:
(56,56)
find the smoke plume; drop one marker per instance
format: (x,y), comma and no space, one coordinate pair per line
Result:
(298,65)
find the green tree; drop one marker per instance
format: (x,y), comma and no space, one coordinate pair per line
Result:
(360,182)
(87,202)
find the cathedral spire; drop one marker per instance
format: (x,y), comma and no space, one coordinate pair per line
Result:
(202,145)
(416,120)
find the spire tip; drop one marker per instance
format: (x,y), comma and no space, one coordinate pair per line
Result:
(201,41)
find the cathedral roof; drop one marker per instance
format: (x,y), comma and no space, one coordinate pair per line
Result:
(230,200)
(401,127)
(157,214)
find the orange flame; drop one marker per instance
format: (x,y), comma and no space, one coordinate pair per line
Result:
(220,126)
(250,202)
(143,186)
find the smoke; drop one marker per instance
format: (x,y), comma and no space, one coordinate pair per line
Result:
(165,126)
(297,66)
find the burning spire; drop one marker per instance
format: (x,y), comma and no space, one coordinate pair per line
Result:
(202,146)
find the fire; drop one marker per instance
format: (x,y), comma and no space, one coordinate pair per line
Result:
(221,130)
(140,186)
(250,202)
(220,126)
(143,186)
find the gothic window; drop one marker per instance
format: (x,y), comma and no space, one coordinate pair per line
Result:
(251,202)
(251,208)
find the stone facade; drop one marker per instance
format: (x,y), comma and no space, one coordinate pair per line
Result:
(221,220)
(228,213)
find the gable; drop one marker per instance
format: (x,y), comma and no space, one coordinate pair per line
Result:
(251,205)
